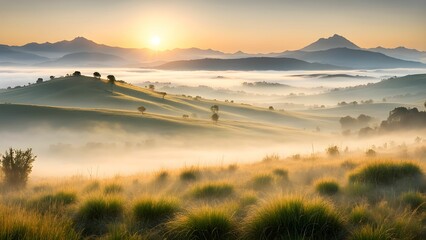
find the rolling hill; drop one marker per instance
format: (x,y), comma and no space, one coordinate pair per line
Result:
(10,56)
(92,93)
(245,64)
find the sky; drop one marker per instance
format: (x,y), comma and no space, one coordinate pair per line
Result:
(252,26)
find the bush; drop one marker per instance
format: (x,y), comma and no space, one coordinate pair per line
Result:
(281,173)
(415,200)
(203,223)
(16,166)
(361,215)
(150,212)
(53,201)
(333,151)
(294,218)
(327,186)
(370,233)
(17,224)
(190,174)
(113,188)
(370,153)
(385,173)
(162,176)
(94,215)
(261,181)
(213,190)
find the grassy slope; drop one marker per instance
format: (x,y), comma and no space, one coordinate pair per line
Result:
(88,92)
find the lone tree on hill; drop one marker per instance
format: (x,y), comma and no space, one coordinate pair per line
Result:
(52,77)
(76,73)
(215,111)
(16,166)
(163,94)
(151,87)
(97,75)
(141,109)
(111,80)
(39,80)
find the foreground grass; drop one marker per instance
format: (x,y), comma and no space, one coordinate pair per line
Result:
(273,199)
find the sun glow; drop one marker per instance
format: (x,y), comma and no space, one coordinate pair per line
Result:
(155,41)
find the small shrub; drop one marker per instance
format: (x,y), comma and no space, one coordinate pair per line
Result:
(190,174)
(162,176)
(370,153)
(282,173)
(347,164)
(294,218)
(385,173)
(370,233)
(213,190)
(415,200)
(261,181)
(17,166)
(94,215)
(113,188)
(202,223)
(333,151)
(327,186)
(151,212)
(53,201)
(360,215)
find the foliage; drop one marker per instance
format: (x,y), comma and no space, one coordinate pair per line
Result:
(385,173)
(294,218)
(16,166)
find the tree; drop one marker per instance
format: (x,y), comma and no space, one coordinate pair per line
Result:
(16,166)
(111,80)
(215,117)
(76,73)
(141,109)
(163,94)
(97,75)
(151,87)
(52,77)
(215,111)
(39,80)
(271,108)
(214,108)
(333,151)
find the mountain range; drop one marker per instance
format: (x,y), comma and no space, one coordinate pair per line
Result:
(81,52)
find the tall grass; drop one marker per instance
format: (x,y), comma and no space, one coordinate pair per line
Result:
(372,233)
(415,200)
(113,188)
(212,190)
(190,174)
(94,215)
(150,211)
(327,186)
(261,181)
(202,223)
(17,224)
(53,201)
(385,173)
(294,218)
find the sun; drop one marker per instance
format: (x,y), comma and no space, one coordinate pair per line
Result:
(155,41)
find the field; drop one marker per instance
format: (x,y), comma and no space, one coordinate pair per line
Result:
(345,196)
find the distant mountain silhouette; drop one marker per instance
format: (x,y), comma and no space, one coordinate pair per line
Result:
(83,59)
(336,41)
(320,51)
(246,64)
(402,53)
(7,55)
(351,58)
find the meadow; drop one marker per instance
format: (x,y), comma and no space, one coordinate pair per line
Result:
(334,195)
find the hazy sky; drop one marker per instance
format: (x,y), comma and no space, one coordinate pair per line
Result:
(227,25)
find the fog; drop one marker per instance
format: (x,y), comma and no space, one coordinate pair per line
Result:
(107,150)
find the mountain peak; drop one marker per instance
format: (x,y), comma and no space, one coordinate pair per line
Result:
(335,41)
